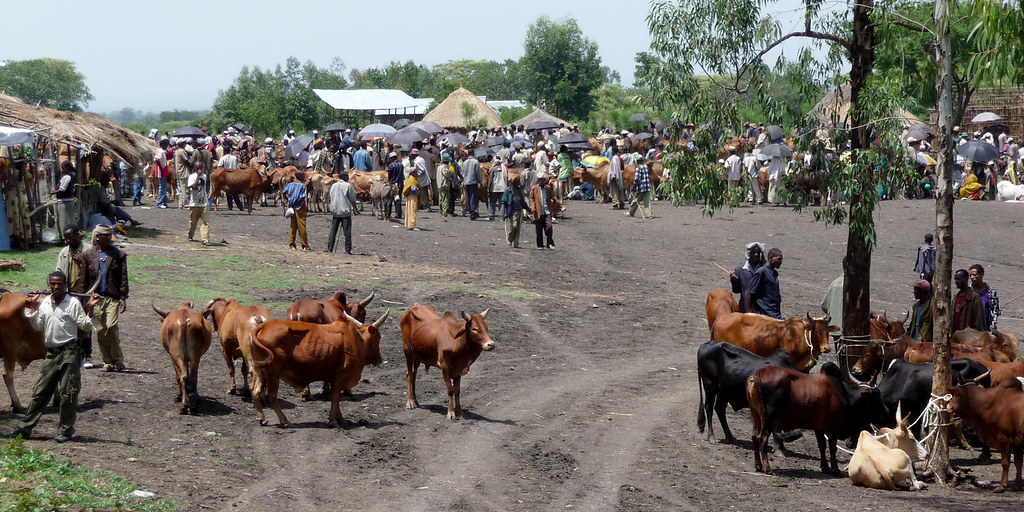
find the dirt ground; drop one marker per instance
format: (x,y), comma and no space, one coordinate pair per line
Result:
(588,402)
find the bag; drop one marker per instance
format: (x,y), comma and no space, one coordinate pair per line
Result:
(289,212)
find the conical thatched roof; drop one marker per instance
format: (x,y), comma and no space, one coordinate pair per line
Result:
(540,114)
(835,107)
(449,113)
(77,128)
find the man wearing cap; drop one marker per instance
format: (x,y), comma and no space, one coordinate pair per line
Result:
(765,293)
(471,178)
(198,203)
(263,153)
(60,317)
(542,207)
(288,137)
(920,328)
(109,265)
(294,196)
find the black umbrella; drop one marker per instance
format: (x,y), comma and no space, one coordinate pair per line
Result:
(336,127)
(777,150)
(297,145)
(571,138)
(639,118)
(409,134)
(986,117)
(775,132)
(483,152)
(660,125)
(241,127)
(978,151)
(643,136)
(402,123)
(455,138)
(541,125)
(579,146)
(428,126)
(920,134)
(996,129)
(919,126)
(188,131)
(494,141)
(520,144)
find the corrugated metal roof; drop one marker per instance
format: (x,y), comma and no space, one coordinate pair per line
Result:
(419,108)
(366,99)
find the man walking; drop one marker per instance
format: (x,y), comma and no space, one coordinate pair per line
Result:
(497,183)
(471,178)
(60,317)
(543,206)
(181,167)
(615,178)
(396,177)
(71,261)
(294,195)
(765,295)
(342,197)
(733,166)
(110,266)
(197,203)
(161,173)
(641,191)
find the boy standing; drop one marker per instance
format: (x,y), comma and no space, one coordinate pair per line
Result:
(925,266)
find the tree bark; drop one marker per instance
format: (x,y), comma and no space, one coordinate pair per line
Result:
(857,271)
(944,226)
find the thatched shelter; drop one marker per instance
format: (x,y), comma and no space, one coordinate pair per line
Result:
(540,114)
(449,113)
(77,128)
(835,107)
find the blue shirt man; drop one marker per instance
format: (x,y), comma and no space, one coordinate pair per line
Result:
(765,295)
(361,160)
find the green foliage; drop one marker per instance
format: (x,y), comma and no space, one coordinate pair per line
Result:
(562,67)
(468,111)
(415,80)
(37,480)
(510,115)
(496,80)
(996,41)
(51,83)
(271,101)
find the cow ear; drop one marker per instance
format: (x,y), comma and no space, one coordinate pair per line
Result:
(833,328)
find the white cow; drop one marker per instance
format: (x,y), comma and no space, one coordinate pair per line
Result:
(886,461)
(1010,192)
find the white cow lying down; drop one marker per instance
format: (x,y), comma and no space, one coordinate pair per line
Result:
(1010,192)
(886,461)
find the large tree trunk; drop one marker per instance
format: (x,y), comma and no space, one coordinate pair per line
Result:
(857,272)
(944,227)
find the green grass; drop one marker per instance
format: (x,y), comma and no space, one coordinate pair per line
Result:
(36,480)
(39,264)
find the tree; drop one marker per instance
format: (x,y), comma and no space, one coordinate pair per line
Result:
(52,83)
(729,39)
(562,67)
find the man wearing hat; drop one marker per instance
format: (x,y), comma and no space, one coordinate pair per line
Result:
(543,207)
(198,203)
(108,265)
(288,137)
(920,328)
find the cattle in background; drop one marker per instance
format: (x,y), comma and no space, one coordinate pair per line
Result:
(447,342)
(233,323)
(246,182)
(878,355)
(722,373)
(186,337)
(19,342)
(997,416)
(300,353)
(923,352)
(909,386)
(783,399)
(804,338)
(884,329)
(720,302)
(1004,371)
(598,178)
(382,196)
(1003,342)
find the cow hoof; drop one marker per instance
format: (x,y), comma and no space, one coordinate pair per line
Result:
(999,488)
(286,425)
(451,417)
(408,405)
(263,423)
(183,410)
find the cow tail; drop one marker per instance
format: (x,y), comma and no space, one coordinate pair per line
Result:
(885,474)
(757,412)
(254,340)
(701,418)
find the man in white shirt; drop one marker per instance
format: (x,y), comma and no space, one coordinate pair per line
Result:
(198,202)
(732,165)
(60,317)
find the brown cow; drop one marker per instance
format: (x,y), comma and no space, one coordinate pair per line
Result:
(1003,342)
(186,337)
(720,302)
(998,372)
(247,182)
(878,355)
(924,351)
(446,342)
(598,178)
(19,342)
(884,329)
(804,338)
(233,323)
(362,180)
(301,353)
(997,416)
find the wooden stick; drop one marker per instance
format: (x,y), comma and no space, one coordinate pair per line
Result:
(1013,299)
(727,271)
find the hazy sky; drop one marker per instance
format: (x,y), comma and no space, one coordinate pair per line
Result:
(154,56)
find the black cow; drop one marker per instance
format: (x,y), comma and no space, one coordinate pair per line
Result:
(829,403)
(910,384)
(722,372)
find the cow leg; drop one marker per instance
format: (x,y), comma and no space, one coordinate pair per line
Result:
(411,365)
(9,381)
(720,406)
(334,418)
(246,386)
(1005,452)
(231,368)
(192,383)
(257,395)
(306,394)
(272,386)
(457,392)
(215,196)
(451,392)
(1017,453)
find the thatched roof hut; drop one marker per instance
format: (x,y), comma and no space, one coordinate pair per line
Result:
(77,128)
(540,114)
(449,113)
(835,107)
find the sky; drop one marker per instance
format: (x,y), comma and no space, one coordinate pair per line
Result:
(154,56)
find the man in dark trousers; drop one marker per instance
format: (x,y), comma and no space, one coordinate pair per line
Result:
(109,265)
(765,295)
(342,200)
(60,317)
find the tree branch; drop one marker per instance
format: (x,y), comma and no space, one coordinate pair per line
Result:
(806,33)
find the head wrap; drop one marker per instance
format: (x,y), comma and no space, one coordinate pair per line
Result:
(760,245)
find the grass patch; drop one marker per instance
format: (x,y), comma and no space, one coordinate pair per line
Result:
(39,263)
(36,480)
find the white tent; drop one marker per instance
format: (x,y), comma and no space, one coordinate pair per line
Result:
(15,136)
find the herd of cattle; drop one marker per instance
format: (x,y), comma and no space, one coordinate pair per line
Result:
(325,341)
(762,363)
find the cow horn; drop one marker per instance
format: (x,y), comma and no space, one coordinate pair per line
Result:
(353,320)
(366,301)
(95,286)
(162,313)
(209,304)
(979,378)
(465,316)
(484,314)
(906,316)
(885,314)
(380,321)
(899,414)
